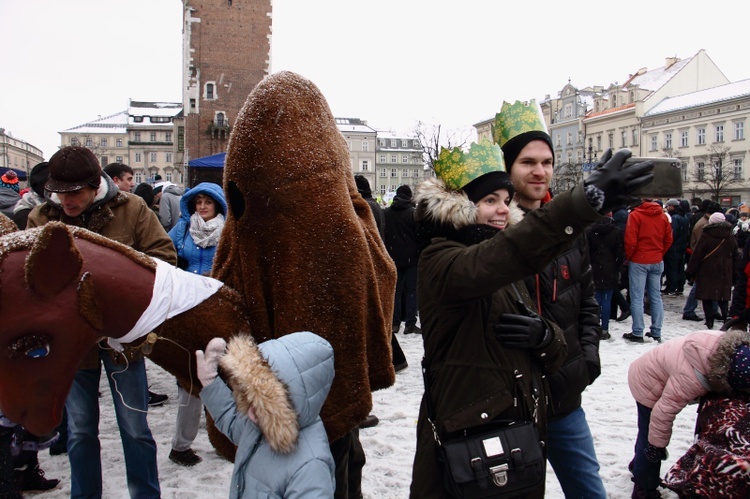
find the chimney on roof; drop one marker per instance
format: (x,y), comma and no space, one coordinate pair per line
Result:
(669,61)
(642,71)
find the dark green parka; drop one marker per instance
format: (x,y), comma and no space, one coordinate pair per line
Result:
(463,288)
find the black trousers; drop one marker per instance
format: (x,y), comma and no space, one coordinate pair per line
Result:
(349,457)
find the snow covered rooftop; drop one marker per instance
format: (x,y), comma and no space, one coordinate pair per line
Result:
(114,123)
(656,78)
(708,96)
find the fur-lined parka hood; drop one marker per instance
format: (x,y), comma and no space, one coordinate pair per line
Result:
(438,204)
(721,359)
(285,381)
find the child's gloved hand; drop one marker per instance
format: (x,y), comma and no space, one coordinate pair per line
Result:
(208,362)
(655,454)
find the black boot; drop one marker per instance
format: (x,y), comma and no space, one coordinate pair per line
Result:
(32,479)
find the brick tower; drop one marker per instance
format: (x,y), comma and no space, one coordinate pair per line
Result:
(226,52)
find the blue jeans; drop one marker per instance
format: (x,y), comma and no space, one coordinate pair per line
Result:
(139,447)
(604,299)
(646,277)
(405,303)
(691,304)
(646,474)
(570,451)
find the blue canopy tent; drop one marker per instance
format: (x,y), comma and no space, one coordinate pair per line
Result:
(206,169)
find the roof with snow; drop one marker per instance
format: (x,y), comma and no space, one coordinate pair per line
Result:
(656,78)
(702,97)
(354,125)
(114,123)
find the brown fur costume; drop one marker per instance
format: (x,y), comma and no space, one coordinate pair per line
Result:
(301,245)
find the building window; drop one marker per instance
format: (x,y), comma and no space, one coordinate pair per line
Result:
(393,158)
(394,172)
(168,175)
(684,138)
(635,137)
(611,138)
(416,173)
(382,190)
(394,143)
(701,170)
(405,158)
(118,142)
(105,160)
(405,172)
(405,144)
(137,136)
(382,142)
(153,136)
(365,146)
(138,178)
(654,143)
(382,172)
(210,91)
(138,157)
(192,105)
(570,138)
(168,136)
(382,158)
(168,157)
(739,130)
(365,165)
(624,137)
(221,119)
(737,169)
(89,142)
(668,140)
(118,159)
(558,140)
(152,157)
(701,136)
(103,142)
(349,145)
(719,136)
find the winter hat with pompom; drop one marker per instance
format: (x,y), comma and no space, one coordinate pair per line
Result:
(10,180)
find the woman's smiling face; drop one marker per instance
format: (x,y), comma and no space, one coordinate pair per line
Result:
(493,209)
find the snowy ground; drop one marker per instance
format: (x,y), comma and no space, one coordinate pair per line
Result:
(390,446)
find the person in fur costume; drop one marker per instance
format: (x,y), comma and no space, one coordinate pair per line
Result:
(302,248)
(303,362)
(666,379)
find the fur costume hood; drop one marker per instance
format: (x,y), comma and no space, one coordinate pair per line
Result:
(300,243)
(285,382)
(437,204)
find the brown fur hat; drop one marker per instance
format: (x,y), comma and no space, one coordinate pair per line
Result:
(301,245)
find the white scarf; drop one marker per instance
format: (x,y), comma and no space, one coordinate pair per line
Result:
(206,233)
(175,291)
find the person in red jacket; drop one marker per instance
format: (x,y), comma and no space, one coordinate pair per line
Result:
(648,236)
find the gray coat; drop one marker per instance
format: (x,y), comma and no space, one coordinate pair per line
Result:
(303,362)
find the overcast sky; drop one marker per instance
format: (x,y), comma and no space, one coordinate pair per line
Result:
(389,62)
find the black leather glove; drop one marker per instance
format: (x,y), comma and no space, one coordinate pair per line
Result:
(655,454)
(524,330)
(617,183)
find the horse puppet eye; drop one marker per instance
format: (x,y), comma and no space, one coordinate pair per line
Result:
(32,346)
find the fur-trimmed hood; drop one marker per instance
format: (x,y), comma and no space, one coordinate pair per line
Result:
(284,381)
(438,204)
(721,359)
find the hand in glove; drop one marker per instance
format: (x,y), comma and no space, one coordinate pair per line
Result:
(208,362)
(655,454)
(616,182)
(524,330)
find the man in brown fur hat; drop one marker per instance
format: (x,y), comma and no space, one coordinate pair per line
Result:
(303,249)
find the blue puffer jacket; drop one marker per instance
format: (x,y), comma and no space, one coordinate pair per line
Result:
(303,362)
(199,260)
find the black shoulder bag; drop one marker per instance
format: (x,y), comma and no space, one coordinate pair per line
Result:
(500,459)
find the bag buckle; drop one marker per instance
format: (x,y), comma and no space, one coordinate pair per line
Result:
(499,474)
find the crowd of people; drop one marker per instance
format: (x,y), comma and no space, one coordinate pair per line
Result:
(511,287)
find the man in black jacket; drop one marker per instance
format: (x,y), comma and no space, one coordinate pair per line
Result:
(401,243)
(565,294)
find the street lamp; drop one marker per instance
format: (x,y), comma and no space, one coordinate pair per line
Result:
(591,161)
